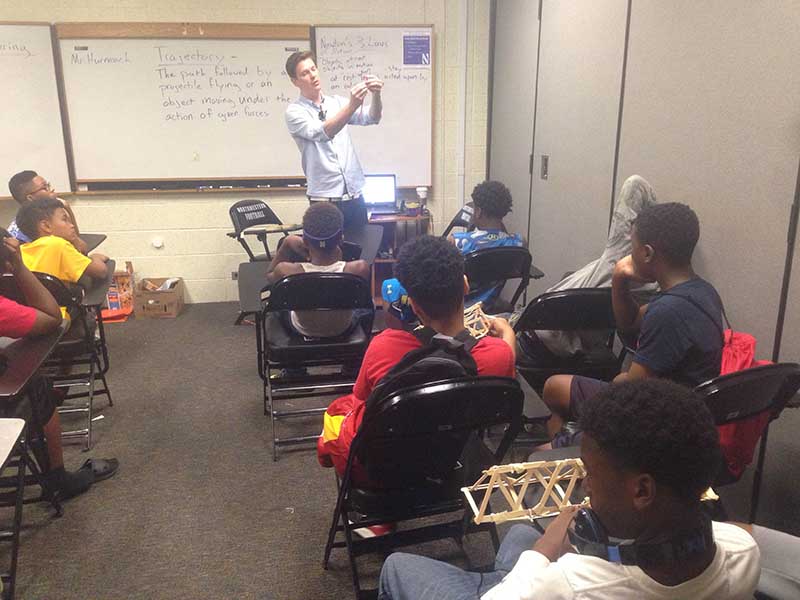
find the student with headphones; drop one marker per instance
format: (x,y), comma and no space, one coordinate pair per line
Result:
(650,449)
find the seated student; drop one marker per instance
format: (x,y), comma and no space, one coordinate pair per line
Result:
(317,251)
(650,450)
(492,202)
(26,186)
(432,271)
(42,316)
(680,334)
(46,222)
(636,195)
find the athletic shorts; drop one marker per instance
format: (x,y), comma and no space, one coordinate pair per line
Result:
(580,390)
(35,407)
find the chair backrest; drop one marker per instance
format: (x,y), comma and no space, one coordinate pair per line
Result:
(462,219)
(369,237)
(579,309)
(251,212)
(418,434)
(488,265)
(317,291)
(737,396)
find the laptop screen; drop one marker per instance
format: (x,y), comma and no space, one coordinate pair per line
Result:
(379,190)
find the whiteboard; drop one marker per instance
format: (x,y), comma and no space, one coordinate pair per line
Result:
(30,119)
(179,108)
(401,56)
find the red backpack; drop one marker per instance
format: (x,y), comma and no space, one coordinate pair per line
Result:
(737,440)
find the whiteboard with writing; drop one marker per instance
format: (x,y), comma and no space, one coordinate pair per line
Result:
(31,136)
(402,57)
(179,109)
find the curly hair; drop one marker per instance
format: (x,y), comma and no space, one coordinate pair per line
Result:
(295,59)
(31,213)
(18,183)
(322,221)
(431,270)
(658,427)
(671,228)
(493,198)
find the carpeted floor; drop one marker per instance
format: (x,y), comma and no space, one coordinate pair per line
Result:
(198,509)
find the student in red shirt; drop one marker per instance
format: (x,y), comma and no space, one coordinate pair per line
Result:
(42,315)
(432,271)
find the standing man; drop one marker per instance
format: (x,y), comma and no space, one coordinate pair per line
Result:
(318,123)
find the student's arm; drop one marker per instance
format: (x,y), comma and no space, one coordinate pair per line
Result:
(358,267)
(97,268)
(48,314)
(499,327)
(282,270)
(627,312)
(292,249)
(375,85)
(335,123)
(635,373)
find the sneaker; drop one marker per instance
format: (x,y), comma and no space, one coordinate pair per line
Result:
(375,530)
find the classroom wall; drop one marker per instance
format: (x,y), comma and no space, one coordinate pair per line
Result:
(193,226)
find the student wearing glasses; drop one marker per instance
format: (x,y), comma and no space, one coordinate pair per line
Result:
(27,186)
(318,123)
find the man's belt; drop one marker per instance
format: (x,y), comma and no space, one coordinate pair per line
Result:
(343,198)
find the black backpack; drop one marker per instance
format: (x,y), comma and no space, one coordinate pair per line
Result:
(440,357)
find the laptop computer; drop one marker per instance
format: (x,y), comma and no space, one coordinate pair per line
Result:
(380,194)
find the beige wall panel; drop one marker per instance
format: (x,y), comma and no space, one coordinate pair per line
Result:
(712,118)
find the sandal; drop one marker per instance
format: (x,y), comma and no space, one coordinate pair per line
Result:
(102,468)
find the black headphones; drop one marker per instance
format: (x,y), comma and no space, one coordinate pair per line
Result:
(589,537)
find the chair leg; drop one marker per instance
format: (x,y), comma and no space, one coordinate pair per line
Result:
(756,491)
(102,376)
(348,537)
(337,514)
(271,410)
(90,407)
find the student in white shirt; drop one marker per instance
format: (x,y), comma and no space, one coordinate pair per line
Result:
(650,449)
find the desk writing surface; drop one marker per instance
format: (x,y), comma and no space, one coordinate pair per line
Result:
(93,240)
(252,279)
(25,356)
(96,294)
(10,430)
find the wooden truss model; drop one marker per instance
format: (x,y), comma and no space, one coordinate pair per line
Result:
(558,479)
(476,322)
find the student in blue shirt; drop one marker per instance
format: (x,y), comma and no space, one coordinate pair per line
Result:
(492,202)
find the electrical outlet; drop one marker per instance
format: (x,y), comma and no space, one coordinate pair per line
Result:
(235,275)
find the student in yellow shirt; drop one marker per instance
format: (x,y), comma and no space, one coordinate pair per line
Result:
(46,222)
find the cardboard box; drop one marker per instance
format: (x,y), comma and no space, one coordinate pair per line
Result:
(120,292)
(158,304)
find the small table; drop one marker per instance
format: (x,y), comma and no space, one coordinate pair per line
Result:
(252,279)
(93,240)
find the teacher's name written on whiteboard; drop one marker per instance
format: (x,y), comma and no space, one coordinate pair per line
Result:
(14,49)
(202,85)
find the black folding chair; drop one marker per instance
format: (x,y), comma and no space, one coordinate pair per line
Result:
(581,309)
(252,213)
(420,446)
(79,350)
(746,394)
(489,266)
(284,348)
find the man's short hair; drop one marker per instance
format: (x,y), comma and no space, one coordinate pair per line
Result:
(432,271)
(671,228)
(322,221)
(18,183)
(493,198)
(658,427)
(295,59)
(31,213)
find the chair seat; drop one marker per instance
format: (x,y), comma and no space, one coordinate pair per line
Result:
(395,503)
(74,341)
(260,258)
(530,357)
(284,346)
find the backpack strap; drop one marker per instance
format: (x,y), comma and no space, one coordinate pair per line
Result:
(705,312)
